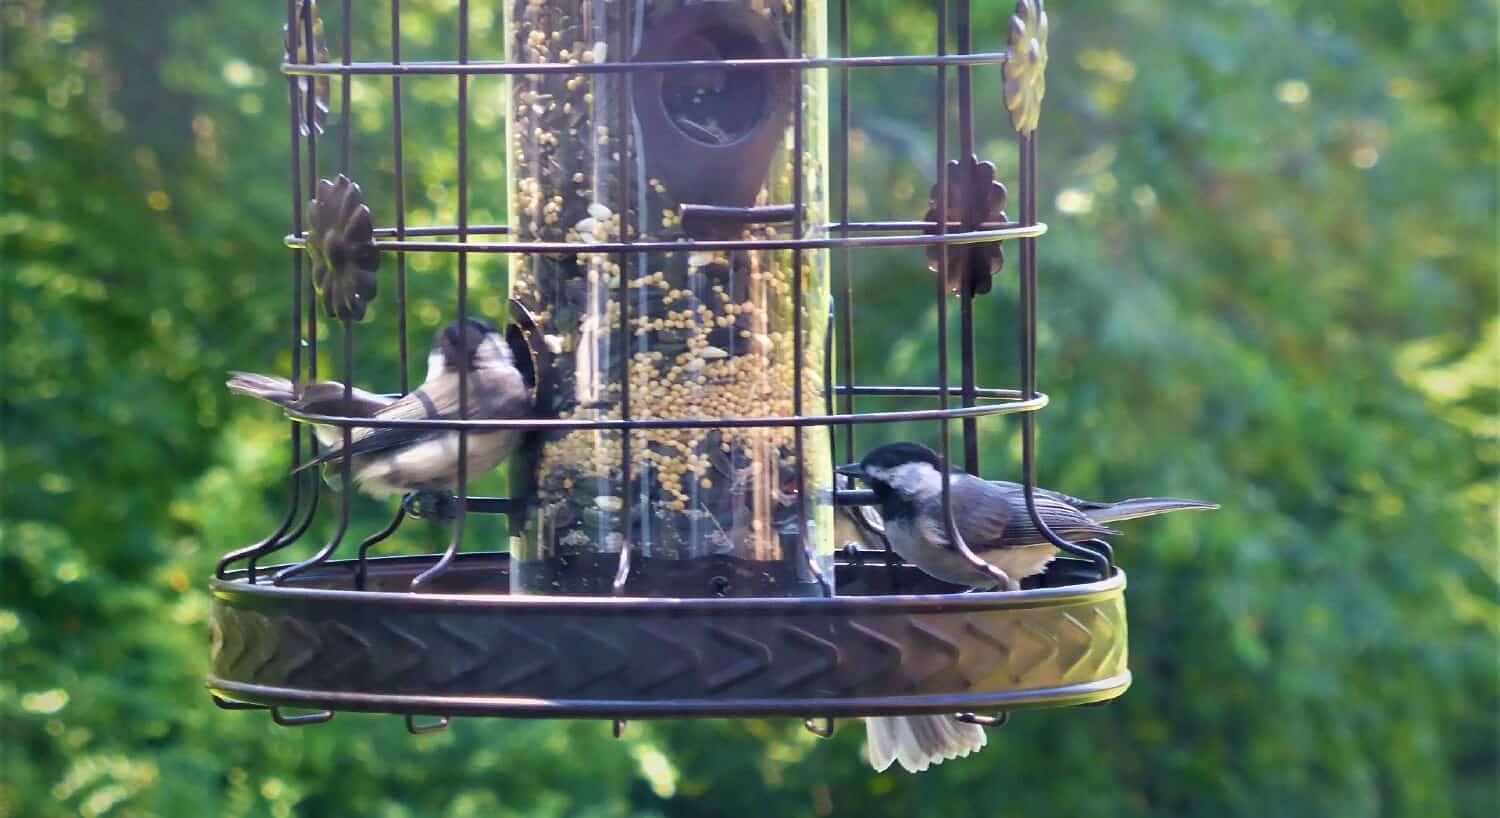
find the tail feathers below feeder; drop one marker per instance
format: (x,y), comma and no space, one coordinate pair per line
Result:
(918,742)
(1143,507)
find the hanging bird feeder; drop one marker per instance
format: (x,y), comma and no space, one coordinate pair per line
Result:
(678,545)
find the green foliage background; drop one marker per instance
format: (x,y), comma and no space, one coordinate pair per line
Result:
(1270,281)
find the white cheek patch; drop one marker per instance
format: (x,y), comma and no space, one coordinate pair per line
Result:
(435,365)
(915,479)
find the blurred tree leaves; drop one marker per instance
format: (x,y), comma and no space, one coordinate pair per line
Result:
(1270,282)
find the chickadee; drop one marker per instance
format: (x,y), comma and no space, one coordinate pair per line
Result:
(393,461)
(991,517)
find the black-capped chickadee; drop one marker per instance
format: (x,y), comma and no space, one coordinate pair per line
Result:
(393,461)
(991,517)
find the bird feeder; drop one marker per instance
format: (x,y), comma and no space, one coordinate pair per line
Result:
(682,306)
(635,165)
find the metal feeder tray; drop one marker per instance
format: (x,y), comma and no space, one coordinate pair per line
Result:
(894,642)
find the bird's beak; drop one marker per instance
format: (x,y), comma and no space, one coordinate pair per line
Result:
(851,470)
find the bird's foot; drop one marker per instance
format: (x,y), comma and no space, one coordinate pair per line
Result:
(437,506)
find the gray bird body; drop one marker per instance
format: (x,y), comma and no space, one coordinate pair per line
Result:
(394,461)
(992,519)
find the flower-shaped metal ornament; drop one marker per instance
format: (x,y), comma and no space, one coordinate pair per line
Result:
(1026,69)
(975,198)
(300,48)
(341,241)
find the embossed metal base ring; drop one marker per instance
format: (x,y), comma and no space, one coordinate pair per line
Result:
(469,648)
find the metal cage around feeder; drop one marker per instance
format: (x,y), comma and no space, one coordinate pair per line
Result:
(674,546)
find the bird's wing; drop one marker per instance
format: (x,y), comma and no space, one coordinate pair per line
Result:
(986,510)
(327,398)
(416,405)
(493,395)
(1076,502)
(995,515)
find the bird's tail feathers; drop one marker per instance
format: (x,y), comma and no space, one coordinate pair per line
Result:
(327,398)
(918,742)
(279,391)
(1145,507)
(1069,522)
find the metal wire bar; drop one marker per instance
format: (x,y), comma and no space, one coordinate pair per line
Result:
(828,392)
(556,424)
(346,466)
(822,727)
(346,474)
(399,148)
(398,140)
(301,720)
(431,727)
(955,537)
(495,505)
(572,248)
(345,125)
(1102,547)
(622,127)
(447,68)
(1003,580)
(941,114)
(265,545)
(304,290)
(902,392)
(309,293)
(295,494)
(229,704)
(841,226)
(362,562)
(426,577)
(301,528)
(855,497)
(922,391)
(997,720)
(442,230)
(846,318)
(1028,362)
(970,259)
(799,184)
